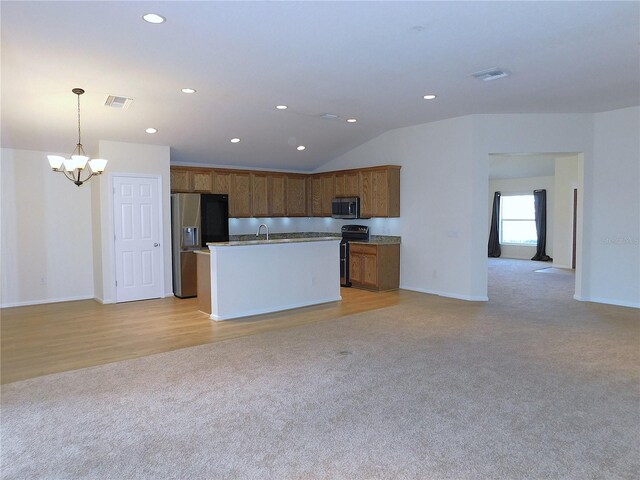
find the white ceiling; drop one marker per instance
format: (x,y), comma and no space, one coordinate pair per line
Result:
(370,60)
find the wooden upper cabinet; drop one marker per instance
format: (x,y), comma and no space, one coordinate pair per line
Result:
(380,192)
(240,195)
(316,196)
(274,194)
(268,195)
(221,182)
(296,196)
(322,193)
(328,192)
(277,195)
(259,197)
(201,181)
(180,180)
(346,184)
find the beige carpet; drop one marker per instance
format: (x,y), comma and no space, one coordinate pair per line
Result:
(519,387)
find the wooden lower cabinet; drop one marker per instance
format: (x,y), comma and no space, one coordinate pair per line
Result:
(374,266)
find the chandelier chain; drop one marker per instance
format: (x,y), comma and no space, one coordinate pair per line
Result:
(79,138)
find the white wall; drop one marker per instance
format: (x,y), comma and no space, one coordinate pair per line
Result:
(524,186)
(614,210)
(444,191)
(46,240)
(126,158)
(437,204)
(567,178)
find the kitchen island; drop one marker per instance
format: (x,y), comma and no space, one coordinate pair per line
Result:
(262,276)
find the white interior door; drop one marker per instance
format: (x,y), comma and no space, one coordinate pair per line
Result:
(138,253)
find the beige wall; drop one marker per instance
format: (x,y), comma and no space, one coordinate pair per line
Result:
(567,178)
(46,238)
(126,158)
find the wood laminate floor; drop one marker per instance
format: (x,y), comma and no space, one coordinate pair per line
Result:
(43,339)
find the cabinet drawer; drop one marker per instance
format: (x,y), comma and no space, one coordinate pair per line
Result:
(361,248)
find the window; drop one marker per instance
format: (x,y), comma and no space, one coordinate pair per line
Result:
(517,220)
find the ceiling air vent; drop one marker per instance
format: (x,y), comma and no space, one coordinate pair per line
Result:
(118,102)
(490,74)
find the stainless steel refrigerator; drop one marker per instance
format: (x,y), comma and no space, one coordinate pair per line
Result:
(195,220)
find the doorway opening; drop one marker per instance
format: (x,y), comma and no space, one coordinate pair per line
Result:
(516,176)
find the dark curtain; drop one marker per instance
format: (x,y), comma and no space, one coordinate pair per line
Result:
(494,237)
(540,203)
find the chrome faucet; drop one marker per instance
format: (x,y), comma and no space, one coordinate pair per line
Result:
(260,228)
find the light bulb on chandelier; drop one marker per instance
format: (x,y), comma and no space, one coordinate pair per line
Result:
(74,167)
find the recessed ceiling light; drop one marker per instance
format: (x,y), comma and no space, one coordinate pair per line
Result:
(351,120)
(300,147)
(281,107)
(153,18)
(188,90)
(235,140)
(151,130)
(431,96)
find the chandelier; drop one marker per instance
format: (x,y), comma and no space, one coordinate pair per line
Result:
(75,167)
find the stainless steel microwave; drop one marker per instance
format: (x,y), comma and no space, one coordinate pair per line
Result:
(345,207)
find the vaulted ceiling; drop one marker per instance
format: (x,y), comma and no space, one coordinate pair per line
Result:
(373,61)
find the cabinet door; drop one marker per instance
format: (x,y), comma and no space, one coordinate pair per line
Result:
(276,195)
(260,203)
(366,193)
(179,180)
(201,181)
(316,196)
(221,182)
(355,268)
(240,195)
(370,271)
(380,192)
(346,184)
(327,194)
(296,196)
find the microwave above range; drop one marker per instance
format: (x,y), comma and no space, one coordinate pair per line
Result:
(345,207)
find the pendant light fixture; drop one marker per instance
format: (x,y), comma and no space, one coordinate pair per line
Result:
(75,167)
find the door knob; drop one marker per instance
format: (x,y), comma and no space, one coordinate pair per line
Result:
(156,244)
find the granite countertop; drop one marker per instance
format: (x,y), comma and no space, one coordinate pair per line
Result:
(379,240)
(279,236)
(250,239)
(245,243)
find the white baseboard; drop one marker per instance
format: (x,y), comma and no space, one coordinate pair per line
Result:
(468,298)
(607,301)
(262,311)
(46,300)
(557,265)
(168,294)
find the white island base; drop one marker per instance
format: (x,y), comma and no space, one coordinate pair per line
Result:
(252,278)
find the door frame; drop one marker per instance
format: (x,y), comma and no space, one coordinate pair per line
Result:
(112,187)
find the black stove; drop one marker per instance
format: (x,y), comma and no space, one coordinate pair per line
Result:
(358,233)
